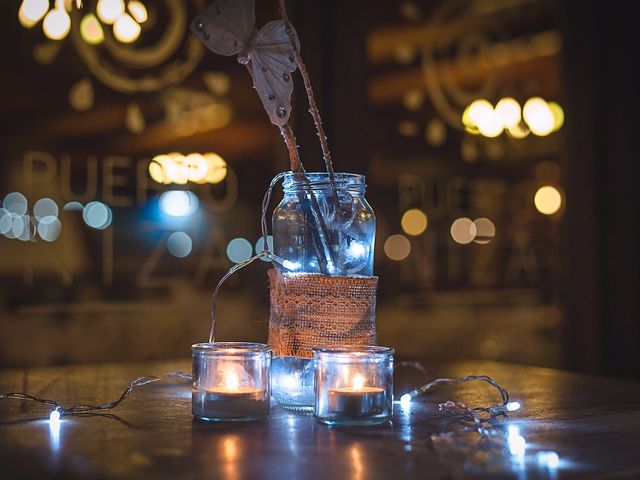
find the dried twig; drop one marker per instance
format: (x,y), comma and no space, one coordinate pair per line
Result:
(292,147)
(319,233)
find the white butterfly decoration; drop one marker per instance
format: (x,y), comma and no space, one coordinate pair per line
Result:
(227,27)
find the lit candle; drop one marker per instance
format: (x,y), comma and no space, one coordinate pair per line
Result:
(354,385)
(356,400)
(231,381)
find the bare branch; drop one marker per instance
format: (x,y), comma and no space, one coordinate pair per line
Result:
(292,147)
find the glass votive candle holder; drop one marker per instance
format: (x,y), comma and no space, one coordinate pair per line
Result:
(354,385)
(230,381)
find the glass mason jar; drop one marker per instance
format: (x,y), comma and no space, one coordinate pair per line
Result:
(353,385)
(325,227)
(231,381)
(320,226)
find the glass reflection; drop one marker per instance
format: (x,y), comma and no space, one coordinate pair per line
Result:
(54,434)
(231,454)
(404,420)
(357,465)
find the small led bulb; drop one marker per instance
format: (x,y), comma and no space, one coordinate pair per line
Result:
(289,265)
(405,400)
(54,416)
(513,406)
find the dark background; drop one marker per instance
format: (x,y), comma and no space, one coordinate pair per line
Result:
(559,290)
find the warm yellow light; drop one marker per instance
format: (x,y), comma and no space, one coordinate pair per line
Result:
(196,167)
(463,231)
(230,450)
(110,10)
(466,121)
(480,117)
(509,109)
(32,11)
(217,168)
(91,30)
(218,83)
(491,126)
(56,24)
(548,200)
(538,115)
(478,112)
(64,5)
(156,171)
(414,222)
(413,99)
(397,247)
(558,115)
(138,11)
(25,22)
(231,380)
(161,159)
(532,104)
(175,170)
(435,133)
(358,380)
(126,29)
(519,131)
(485,230)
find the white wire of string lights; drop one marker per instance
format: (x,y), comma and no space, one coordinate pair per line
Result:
(496,442)
(59,411)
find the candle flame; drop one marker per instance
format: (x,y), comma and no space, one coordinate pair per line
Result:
(231,380)
(358,380)
(345,374)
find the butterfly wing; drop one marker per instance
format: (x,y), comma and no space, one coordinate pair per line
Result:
(272,62)
(226,26)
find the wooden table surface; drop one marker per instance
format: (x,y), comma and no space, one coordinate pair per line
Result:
(593,423)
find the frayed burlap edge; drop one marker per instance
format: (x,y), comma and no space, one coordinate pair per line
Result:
(311,310)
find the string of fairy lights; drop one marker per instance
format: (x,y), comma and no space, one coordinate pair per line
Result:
(59,411)
(480,420)
(126,20)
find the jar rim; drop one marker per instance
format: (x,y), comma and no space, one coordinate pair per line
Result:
(358,351)
(230,348)
(323,180)
(339,175)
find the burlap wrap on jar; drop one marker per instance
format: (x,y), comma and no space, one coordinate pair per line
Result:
(312,310)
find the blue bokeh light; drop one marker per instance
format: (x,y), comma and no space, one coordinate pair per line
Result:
(15,202)
(260,246)
(239,250)
(73,206)
(49,228)
(45,207)
(178,203)
(179,244)
(97,215)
